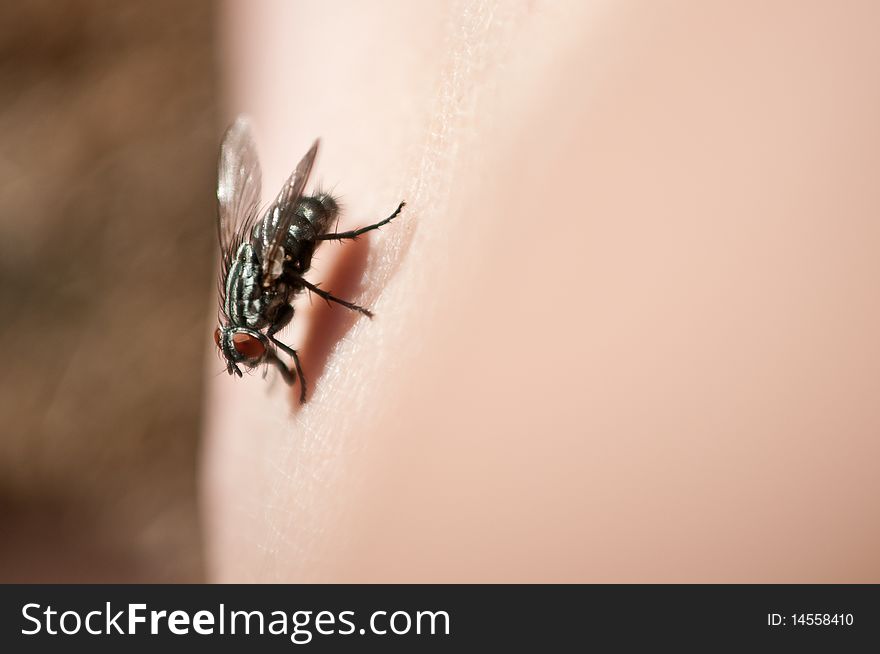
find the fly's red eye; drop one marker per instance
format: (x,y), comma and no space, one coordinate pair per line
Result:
(217,337)
(248,346)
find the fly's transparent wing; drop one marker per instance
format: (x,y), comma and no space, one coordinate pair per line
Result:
(282,212)
(238,185)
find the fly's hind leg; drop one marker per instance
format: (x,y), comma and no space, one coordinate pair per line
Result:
(283,317)
(329,297)
(340,236)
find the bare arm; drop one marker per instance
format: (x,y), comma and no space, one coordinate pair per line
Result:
(614,324)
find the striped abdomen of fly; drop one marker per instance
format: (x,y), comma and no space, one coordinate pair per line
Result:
(312,216)
(256,300)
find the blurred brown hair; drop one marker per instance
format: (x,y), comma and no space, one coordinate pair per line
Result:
(107,116)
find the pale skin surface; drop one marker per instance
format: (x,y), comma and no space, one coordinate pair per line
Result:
(627,327)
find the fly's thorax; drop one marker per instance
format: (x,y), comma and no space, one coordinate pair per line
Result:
(243,305)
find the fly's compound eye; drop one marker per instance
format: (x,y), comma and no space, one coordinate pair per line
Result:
(248,345)
(217,337)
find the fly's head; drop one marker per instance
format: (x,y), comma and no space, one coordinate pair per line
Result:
(240,345)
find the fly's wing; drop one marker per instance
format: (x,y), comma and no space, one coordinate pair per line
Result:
(238,188)
(281,214)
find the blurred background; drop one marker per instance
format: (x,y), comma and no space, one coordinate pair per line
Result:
(107,166)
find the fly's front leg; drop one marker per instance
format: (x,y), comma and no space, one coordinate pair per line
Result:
(340,236)
(329,297)
(282,318)
(299,371)
(272,358)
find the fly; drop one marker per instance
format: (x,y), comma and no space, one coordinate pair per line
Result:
(264,256)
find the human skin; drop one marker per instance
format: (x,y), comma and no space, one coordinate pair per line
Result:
(626,327)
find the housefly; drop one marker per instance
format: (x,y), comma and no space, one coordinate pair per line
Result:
(265,254)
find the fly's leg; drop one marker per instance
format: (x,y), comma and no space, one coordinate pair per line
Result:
(284,315)
(299,371)
(339,236)
(332,298)
(282,368)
